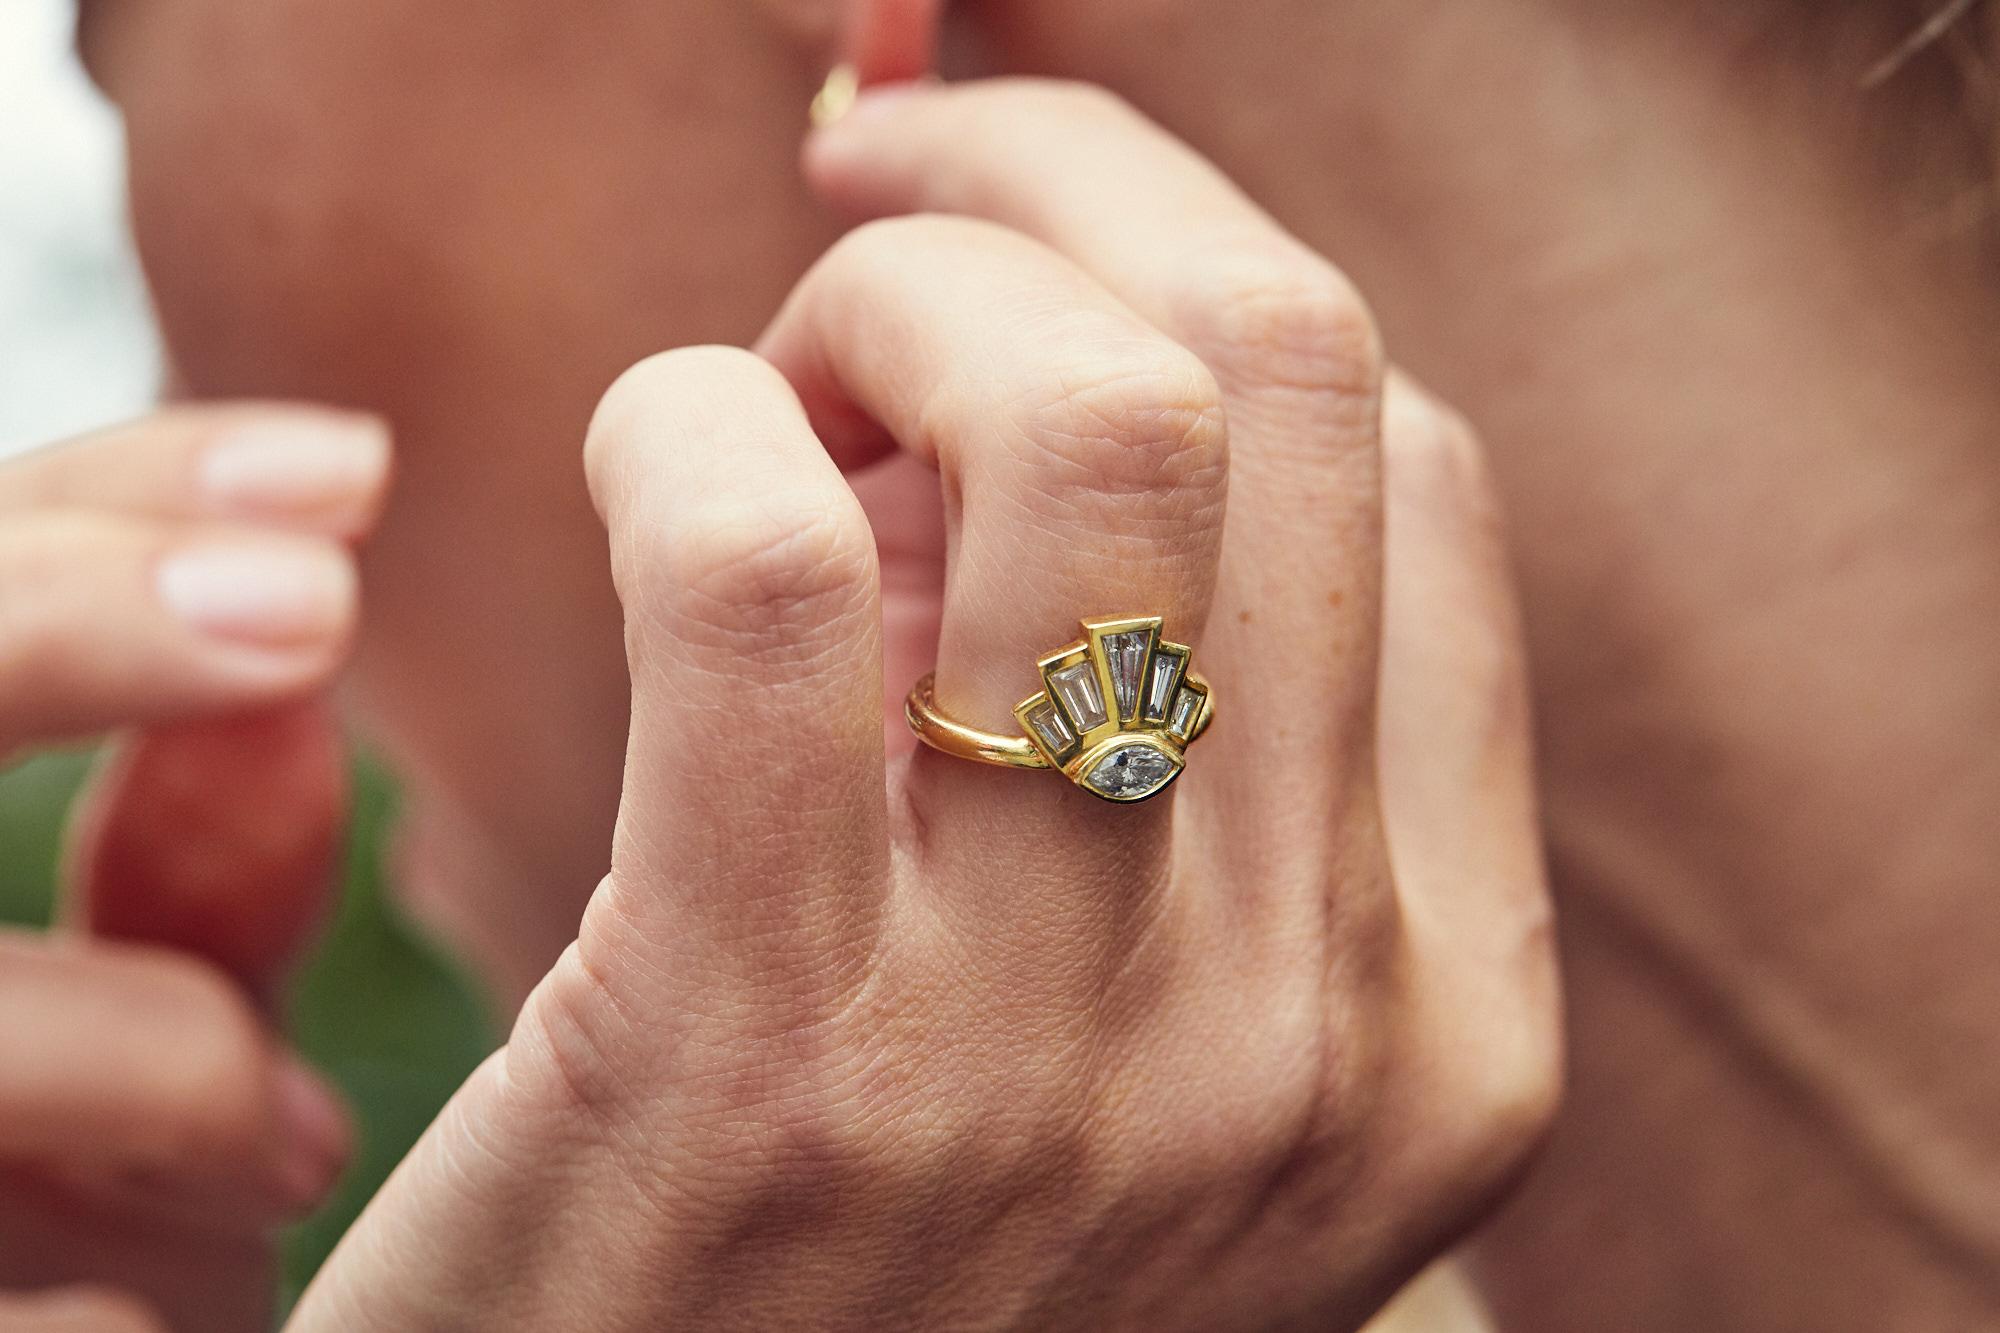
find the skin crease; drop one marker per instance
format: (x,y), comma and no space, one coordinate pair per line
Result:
(1742,415)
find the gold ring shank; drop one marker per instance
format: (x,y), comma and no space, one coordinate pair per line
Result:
(941,733)
(955,738)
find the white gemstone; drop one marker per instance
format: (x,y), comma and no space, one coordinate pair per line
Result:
(1050,727)
(1130,772)
(1126,656)
(1187,706)
(1160,687)
(1076,686)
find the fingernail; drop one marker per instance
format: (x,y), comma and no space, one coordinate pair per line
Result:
(314,1137)
(835,97)
(322,471)
(271,593)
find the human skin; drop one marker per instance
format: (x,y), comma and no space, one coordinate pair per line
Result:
(1741,415)
(921,1044)
(154,1132)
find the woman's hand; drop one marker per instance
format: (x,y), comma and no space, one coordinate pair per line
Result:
(847,1044)
(188,576)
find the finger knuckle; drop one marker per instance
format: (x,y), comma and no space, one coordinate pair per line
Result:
(1526,1088)
(1505,1085)
(568,1049)
(1283,319)
(766,572)
(1516,1101)
(1145,418)
(1435,453)
(574,1056)
(885,245)
(643,402)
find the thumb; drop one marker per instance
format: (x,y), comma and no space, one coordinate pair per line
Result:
(217,837)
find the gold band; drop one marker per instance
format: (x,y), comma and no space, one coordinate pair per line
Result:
(1116,714)
(955,738)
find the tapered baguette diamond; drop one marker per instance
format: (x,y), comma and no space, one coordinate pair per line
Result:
(1131,771)
(1187,706)
(1160,684)
(1126,655)
(1076,686)
(1050,727)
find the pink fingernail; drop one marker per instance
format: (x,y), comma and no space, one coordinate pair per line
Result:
(272,593)
(315,1140)
(321,471)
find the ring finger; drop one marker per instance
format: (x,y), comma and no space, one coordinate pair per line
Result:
(1084,465)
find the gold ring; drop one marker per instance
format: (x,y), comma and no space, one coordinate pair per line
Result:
(1115,714)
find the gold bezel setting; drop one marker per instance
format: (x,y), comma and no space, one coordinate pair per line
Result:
(1115,714)
(1117,711)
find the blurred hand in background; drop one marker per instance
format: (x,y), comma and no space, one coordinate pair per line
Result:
(188,580)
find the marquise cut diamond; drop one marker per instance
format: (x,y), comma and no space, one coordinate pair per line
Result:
(1130,772)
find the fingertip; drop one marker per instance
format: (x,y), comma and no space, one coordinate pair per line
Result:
(316,1138)
(314,470)
(277,605)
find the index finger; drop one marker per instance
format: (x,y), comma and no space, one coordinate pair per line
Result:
(284,465)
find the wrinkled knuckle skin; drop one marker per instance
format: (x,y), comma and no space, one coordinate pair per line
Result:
(763,575)
(1133,422)
(714,1129)
(1280,319)
(571,1050)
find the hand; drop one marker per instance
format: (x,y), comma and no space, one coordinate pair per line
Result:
(188,575)
(846,1044)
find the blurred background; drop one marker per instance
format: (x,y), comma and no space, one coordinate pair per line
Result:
(75,344)
(389,1018)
